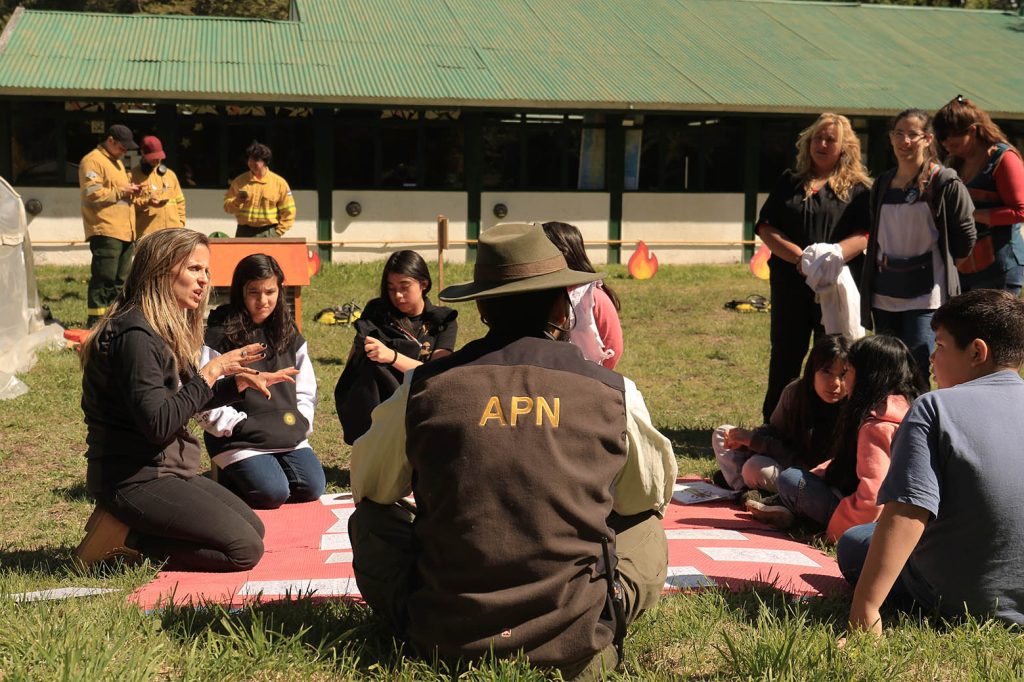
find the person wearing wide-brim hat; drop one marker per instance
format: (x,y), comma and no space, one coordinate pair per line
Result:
(538,479)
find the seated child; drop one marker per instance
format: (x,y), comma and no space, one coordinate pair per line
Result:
(951,535)
(397,332)
(840,493)
(260,446)
(801,428)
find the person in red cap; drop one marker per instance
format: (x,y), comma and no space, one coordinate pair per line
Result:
(160,203)
(107,195)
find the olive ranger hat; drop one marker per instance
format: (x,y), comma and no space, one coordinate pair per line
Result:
(516,258)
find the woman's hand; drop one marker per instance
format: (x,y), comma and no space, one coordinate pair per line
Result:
(233,362)
(378,352)
(738,438)
(262,381)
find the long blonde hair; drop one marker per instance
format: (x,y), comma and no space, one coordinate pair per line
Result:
(159,257)
(847,172)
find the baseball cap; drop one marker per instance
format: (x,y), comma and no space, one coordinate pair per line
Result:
(152,150)
(122,135)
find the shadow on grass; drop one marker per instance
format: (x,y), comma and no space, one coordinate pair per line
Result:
(74,493)
(338,476)
(695,443)
(44,560)
(329,360)
(760,598)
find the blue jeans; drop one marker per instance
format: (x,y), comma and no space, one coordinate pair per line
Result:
(268,481)
(912,327)
(1008,280)
(807,495)
(851,553)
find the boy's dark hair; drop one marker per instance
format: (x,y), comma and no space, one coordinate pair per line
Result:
(992,315)
(259,151)
(884,367)
(279,329)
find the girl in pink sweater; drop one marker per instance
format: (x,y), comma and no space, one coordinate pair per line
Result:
(596,330)
(841,492)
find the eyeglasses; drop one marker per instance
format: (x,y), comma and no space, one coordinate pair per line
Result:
(912,136)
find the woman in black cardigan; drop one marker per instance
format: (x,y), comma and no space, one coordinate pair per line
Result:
(141,385)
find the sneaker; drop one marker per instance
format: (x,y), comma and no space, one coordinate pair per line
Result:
(104,539)
(773,514)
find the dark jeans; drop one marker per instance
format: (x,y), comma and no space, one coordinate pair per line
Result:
(852,552)
(1008,280)
(384,563)
(912,327)
(193,525)
(795,319)
(268,481)
(807,495)
(249,232)
(110,260)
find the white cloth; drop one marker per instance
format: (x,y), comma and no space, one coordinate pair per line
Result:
(584,334)
(836,292)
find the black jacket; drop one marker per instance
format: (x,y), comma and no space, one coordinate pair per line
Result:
(364,384)
(135,410)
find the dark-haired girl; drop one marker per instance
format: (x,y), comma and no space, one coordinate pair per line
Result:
(801,429)
(260,446)
(842,492)
(398,331)
(922,224)
(596,329)
(994,173)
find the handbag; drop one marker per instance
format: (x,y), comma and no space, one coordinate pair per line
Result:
(982,255)
(905,277)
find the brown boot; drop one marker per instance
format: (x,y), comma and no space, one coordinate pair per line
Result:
(104,539)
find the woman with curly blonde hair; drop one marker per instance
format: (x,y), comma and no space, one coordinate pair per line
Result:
(824,200)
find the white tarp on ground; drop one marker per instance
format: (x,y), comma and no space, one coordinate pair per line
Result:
(22,331)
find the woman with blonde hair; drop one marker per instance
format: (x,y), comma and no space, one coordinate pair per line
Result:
(141,385)
(822,201)
(994,174)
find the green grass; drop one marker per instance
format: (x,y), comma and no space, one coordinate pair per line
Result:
(697,364)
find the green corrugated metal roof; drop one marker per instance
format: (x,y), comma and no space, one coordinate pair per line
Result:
(714,55)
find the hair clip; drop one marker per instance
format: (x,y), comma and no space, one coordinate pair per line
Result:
(959,99)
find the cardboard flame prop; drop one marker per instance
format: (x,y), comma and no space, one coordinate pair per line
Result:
(759,262)
(642,264)
(313,260)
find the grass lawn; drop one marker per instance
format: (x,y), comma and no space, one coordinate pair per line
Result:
(697,365)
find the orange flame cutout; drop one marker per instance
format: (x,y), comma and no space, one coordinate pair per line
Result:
(759,263)
(313,260)
(642,264)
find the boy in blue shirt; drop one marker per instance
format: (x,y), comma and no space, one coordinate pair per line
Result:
(951,536)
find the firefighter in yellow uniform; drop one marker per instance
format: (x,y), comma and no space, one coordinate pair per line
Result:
(260,199)
(108,216)
(160,203)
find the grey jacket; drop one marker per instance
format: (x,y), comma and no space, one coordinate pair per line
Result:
(954,217)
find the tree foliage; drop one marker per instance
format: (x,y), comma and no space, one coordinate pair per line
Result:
(263,9)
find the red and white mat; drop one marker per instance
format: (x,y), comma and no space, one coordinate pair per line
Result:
(308,553)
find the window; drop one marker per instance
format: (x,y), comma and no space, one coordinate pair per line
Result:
(687,154)
(199,132)
(536,152)
(34,145)
(399,148)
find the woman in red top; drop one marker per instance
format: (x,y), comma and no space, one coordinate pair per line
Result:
(994,174)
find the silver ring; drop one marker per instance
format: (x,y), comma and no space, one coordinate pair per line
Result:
(245,354)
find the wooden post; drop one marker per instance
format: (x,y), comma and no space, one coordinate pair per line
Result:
(442,244)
